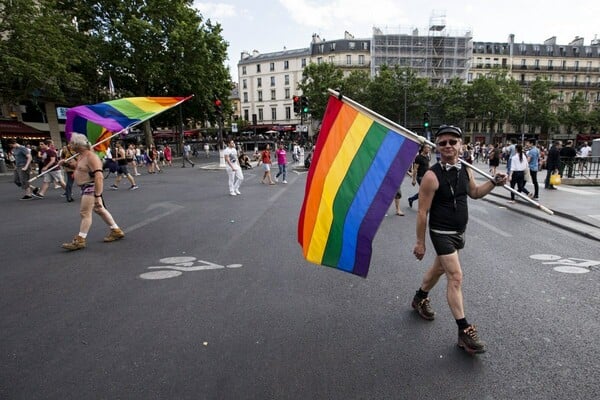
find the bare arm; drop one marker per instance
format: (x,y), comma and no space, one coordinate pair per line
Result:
(478,191)
(429,185)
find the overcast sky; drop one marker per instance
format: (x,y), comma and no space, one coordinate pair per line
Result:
(271,25)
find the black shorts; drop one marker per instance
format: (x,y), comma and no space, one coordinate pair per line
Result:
(447,243)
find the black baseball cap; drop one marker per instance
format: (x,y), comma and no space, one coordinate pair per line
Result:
(449,130)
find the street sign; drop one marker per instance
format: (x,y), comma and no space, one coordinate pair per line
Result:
(234,128)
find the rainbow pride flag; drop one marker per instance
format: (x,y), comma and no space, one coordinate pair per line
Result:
(103,120)
(357,167)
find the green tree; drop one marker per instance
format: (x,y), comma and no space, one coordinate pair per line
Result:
(574,115)
(538,107)
(355,86)
(316,79)
(43,56)
(453,104)
(160,48)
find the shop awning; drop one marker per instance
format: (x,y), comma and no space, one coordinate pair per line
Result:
(16,129)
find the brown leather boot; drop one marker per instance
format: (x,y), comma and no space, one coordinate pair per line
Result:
(78,243)
(115,234)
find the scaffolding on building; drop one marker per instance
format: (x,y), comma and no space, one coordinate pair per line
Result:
(439,55)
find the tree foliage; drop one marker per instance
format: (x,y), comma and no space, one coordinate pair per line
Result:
(42,54)
(65,51)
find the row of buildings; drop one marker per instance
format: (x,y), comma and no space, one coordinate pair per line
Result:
(268,82)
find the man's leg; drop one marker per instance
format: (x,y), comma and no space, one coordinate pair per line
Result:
(451,267)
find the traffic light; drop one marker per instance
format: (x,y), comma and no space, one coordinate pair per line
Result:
(304,103)
(296,104)
(218,106)
(426,120)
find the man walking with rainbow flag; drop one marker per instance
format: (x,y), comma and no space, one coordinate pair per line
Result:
(443,196)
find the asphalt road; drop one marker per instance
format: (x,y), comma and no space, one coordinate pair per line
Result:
(208,297)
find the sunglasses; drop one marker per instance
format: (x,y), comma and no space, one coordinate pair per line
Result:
(443,143)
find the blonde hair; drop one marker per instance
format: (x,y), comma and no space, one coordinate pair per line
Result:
(78,139)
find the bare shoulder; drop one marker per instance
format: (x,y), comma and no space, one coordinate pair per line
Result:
(429,181)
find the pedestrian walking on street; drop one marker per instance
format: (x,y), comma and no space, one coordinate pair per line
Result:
(443,197)
(122,170)
(518,168)
(533,155)
(23,161)
(234,171)
(265,159)
(552,163)
(281,163)
(89,177)
(420,166)
(187,152)
(68,167)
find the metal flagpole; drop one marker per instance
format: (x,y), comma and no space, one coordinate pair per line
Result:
(413,136)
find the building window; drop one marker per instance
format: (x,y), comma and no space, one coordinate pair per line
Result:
(523,62)
(245,97)
(550,67)
(260,95)
(244,84)
(361,60)
(288,113)
(286,80)
(272,81)
(287,93)
(536,63)
(274,114)
(348,60)
(257,67)
(303,62)
(273,97)
(260,115)
(258,82)
(351,45)
(576,65)
(286,64)
(272,67)
(321,48)
(244,70)
(365,45)
(319,60)
(332,46)
(331,59)
(561,96)
(246,116)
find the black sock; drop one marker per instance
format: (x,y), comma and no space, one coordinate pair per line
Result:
(421,294)
(462,324)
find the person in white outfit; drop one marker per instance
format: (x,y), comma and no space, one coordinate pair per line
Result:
(234,171)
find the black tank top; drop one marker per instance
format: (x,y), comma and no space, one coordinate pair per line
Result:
(449,211)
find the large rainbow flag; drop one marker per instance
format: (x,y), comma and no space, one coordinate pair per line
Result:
(101,121)
(357,167)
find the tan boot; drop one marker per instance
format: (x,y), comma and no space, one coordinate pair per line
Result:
(115,234)
(77,244)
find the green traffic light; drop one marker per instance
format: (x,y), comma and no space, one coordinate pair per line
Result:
(305,110)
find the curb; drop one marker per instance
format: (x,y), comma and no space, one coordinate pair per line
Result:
(532,211)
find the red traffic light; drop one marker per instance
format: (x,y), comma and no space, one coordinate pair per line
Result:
(218,103)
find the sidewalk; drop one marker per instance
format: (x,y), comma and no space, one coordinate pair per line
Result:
(576,208)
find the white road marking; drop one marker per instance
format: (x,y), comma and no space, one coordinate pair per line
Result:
(167,205)
(571,270)
(576,191)
(491,227)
